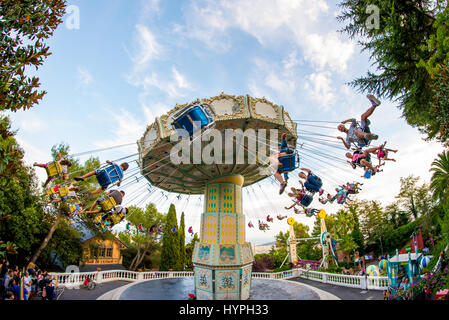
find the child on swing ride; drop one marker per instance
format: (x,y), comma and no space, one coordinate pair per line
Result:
(281,217)
(329,198)
(269,219)
(263,226)
(115,194)
(250,225)
(71,194)
(63,163)
(309,212)
(283,151)
(357,134)
(106,176)
(313,183)
(300,197)
(382,153)
(353,187)
(362,159)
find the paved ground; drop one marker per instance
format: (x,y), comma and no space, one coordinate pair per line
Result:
(343,293)
(84,294)
(179,289)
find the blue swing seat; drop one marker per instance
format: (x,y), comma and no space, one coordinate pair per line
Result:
(109,175)
(189,117)
(290,162)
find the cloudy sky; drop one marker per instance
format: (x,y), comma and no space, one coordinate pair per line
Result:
(130,61)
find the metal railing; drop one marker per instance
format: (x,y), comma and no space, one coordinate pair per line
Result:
(361,282)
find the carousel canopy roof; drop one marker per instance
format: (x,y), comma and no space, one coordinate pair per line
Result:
(231,112)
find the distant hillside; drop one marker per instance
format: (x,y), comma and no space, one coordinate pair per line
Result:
(267,244)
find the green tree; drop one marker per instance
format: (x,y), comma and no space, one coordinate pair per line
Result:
(170,242)
(11,154)
(25,25)
(440,178)
(182,243)
(143,243)
(189,251)
(62,209)
(407,34)
(415,199)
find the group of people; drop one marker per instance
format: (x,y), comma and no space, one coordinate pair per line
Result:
(109,211)
(359,135)
(24,285)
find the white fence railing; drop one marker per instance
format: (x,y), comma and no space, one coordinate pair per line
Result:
(359,282)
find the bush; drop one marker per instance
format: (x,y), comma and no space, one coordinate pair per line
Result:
(263,263)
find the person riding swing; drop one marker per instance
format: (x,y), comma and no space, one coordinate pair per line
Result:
(110,174)
(359,135)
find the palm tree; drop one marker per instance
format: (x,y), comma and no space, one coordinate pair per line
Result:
(440,178)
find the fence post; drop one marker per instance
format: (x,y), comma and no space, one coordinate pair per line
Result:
(324,280)
(100,277)
(139,276)
(363,283)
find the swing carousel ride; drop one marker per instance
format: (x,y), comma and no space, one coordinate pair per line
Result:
(218,150)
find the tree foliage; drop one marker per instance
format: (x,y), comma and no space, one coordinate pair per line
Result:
(142,243)
(25,26)
(170,242)
(409,40)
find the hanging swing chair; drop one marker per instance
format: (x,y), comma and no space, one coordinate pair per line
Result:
(290,162)
(192,118)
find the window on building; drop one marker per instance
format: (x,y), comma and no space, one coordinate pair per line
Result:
(109,252)
(102,252)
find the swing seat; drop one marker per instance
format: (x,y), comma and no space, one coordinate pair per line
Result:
(306,200)
(64,191)
(191,116)
(107,203)
(52,192)
(74,208)
(289,162)
(54,169)
(117,218)
(109,175)
(98,219)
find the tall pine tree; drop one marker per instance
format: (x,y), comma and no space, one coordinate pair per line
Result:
(182,243)
(170,242)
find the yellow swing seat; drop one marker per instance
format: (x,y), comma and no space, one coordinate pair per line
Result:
(54,169)
(107,204)
(63,191)
(116,218)
(52,191)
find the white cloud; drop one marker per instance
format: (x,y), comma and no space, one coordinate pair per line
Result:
(84,76)
(271,22)
(320,89)
(128,128)
(148,46)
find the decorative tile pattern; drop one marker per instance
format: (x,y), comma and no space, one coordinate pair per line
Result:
(212,198)
(210,230)
(204,253)
(246,253)
(227,254)
(203,278)
(226,280)
(241,230)
(227,230)
(227,201)
(238,199)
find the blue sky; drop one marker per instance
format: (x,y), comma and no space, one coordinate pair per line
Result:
(130,61)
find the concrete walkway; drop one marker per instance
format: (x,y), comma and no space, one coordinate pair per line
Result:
(84,294)
(107,290)
(344,293)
